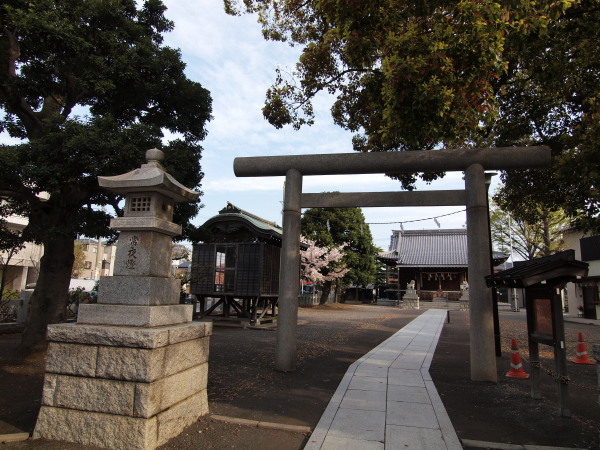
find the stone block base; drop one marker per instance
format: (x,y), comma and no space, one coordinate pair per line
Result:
(117,431)
(134,315)
(144,291)
(123,387)
(410,302)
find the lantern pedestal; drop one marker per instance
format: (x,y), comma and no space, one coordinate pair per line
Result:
(132,372)
(123,387)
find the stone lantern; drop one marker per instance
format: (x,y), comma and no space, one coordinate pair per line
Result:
(132,372)
(142,272)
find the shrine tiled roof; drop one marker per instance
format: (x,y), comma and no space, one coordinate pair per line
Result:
(559,267)
(258,224)
(430,248)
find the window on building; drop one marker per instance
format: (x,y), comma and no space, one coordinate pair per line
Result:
(225,265)
(87,264)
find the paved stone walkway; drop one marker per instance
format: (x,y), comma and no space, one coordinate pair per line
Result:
(387,399)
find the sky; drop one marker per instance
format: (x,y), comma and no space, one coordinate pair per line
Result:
(230,58)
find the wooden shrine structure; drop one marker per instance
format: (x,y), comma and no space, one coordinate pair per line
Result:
(436,260)
(235,274)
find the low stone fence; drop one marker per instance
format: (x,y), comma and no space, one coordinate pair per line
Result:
(308,300)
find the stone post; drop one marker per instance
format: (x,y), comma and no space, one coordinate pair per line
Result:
(483,359)
(289,274)
(132,372)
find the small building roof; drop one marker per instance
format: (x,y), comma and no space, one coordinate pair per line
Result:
(224,223)
(560,267)
(185,265)
(431,248)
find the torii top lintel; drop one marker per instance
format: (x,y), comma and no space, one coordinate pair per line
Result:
(447,160)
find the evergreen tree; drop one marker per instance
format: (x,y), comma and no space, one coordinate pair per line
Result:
(87,87)
(333,227)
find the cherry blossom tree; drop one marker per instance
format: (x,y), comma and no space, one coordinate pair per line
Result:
(322,265)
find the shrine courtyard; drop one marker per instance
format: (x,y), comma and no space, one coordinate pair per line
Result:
(243,384)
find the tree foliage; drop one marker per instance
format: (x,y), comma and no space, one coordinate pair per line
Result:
(407,75)
(414,75)
(87,87)
(79,260)
(334,227)
(529,240)
(551,96)
(180,251)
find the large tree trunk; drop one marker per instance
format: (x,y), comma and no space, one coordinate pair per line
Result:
(48,303)
(325,292)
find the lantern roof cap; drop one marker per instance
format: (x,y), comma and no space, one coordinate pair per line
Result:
(150,177)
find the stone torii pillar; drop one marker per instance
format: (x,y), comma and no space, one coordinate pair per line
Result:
(471,161)
(132,372)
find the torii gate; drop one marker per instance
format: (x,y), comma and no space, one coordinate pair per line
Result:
(473,162)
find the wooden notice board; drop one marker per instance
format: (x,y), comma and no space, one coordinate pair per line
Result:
(542,317)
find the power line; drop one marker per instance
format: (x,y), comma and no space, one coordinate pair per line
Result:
(415,220)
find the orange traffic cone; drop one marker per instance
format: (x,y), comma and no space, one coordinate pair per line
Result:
(516,368)
(582,356)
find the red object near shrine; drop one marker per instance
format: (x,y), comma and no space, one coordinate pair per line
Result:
(516,367)
(582,356)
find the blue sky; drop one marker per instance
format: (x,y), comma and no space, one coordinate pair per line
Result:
(230,58)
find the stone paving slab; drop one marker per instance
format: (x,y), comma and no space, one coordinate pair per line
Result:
(345,443)
(386,399)
(372,384)
(414,437)
(359,424)
(364,400)
(408,394)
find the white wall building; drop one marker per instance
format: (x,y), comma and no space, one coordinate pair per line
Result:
(584,292)
(23,267)
(99,259)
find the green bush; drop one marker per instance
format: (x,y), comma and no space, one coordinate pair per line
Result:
(76,297)
(8,313)
(10,294)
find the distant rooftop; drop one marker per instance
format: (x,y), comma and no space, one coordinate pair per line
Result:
(431,248)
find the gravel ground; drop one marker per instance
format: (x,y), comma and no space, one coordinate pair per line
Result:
(243,384)
(504,412)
